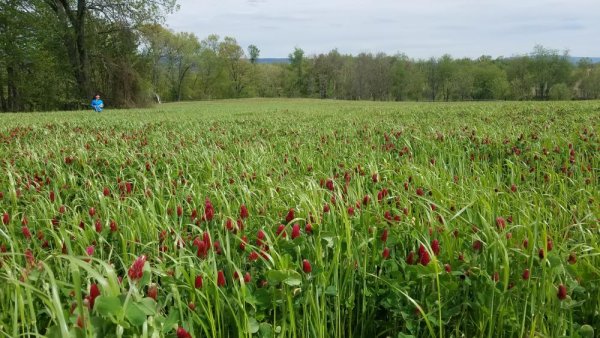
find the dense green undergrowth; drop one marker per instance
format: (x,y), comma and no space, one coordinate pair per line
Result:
(302,218)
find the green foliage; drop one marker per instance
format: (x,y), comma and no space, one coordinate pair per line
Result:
(56,54)
(560,91)
(493,183)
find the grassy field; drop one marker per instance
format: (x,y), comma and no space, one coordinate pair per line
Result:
(302,218)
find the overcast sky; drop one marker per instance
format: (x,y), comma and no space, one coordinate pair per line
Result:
(418,28)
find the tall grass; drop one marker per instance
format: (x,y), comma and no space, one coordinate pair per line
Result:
(479,179)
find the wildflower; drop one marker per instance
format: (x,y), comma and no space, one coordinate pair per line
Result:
(260,236)
(366,199)
(410,259)
(209,211)
(94,293)
(221,278)
(253,256)
(351,211)
(152,291)
(384,235)
(290,215)
(26,232)
(113,226)
(229,224)
(424,258)
(136,270)
(29,257)
(182,333)
(562,292)
(572,258)
(477,245)
(281,231)
(244,212)
(198,282)
(500,223)
(206,238)
(308,228)
(306,267)
(295,231)
(202,250)
(329,185)
(435,247)
(386,253)
(243,243)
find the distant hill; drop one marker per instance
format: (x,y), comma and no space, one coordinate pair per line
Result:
(573,59)
(273,60)
(576,59)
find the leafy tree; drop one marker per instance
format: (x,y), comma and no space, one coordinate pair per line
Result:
(587,80)
(446,68)
(253,52)
(489,81)
(548,68)
(520,77)
(433,77)
(560,91)
(297,80)
(74,17)
(232,56)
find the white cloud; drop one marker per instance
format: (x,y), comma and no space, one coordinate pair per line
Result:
(417,28)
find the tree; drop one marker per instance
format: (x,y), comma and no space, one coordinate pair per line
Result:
(433,77)
(548,68)
(446,69)
(231,54)
(587,80)
(210,78)
(489,82)
(73,17)
(560,91)
(463,80)
(253,52)
(32,76)
(298,80)
(520,77)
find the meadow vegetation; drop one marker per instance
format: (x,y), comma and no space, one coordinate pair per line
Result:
(302,218)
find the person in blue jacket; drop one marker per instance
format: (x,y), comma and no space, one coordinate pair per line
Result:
(97,103)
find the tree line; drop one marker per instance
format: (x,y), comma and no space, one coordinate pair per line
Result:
(55,54)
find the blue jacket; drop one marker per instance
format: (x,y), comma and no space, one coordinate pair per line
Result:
(97,105)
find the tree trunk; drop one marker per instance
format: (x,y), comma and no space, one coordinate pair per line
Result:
(3,105)
(83,70)
(13,101)
(74,37)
